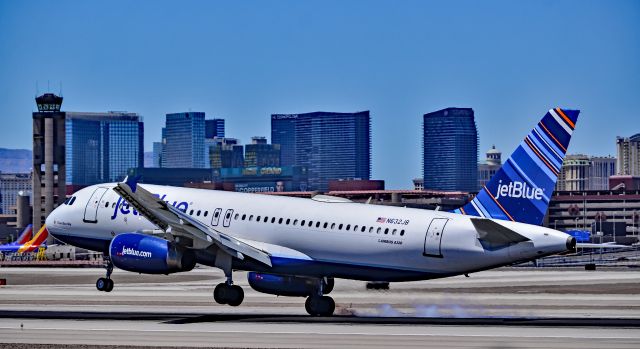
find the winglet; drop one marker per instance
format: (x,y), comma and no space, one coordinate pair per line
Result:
(132,182)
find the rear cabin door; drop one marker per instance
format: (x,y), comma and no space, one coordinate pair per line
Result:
(91,210)
(433,238)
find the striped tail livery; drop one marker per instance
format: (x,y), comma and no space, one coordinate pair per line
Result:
(521,189)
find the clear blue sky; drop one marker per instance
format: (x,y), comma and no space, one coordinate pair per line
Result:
(243,60)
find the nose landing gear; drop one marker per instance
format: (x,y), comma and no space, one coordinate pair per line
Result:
(106,284)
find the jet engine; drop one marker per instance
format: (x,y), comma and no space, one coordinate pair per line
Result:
(287,285)
(150,255)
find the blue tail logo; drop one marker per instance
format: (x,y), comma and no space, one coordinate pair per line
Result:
(521,189)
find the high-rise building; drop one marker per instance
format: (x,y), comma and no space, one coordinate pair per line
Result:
(574,175)
(49,168)
(600,169)
(214,128)
(450,150)
(582,172)
(225,153)
(330,145)
(261,154)
(101,147)
(185,146)
(628,155)
(489,166)
(11,185)
(157,154)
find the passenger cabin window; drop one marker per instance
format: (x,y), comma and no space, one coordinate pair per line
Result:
(340,226)
(295,222)
(363,229)
(106,204)
(237,216)
(325,225)
(280,221)
(216,214)
(371,229)
(273,219)
(206,213)
(310,224)
(191,213)
(386,231)
(348,227)
(333,225)
(302,223)
(402,232)
(198,213)
(394,231)
(379,230)
(288,220)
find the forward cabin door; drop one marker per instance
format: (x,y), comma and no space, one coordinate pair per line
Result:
(91,210)
(433,238)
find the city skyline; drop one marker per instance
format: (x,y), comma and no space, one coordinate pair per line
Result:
(509,62)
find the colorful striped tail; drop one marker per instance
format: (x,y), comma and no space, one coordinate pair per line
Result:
(38,240)
(25,235)
(521,189)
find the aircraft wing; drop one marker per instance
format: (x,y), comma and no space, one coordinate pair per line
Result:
(183,227)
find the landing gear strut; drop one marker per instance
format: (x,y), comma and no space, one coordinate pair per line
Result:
(318,304)
(106,284)
(227,292)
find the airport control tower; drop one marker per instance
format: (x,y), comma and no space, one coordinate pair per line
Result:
(49,170)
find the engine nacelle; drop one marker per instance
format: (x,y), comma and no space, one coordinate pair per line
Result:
(149,255)
(286,285)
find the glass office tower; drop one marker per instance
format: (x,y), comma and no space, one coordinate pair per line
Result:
(101,147)
(330,145)
(450,145)
(184,147)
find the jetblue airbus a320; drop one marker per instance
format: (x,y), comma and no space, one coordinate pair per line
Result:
(296,247)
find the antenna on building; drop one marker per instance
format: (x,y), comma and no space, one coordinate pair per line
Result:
(48,89)
(37,89)
(60,92)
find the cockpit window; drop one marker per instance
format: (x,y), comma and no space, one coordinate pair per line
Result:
(73,199)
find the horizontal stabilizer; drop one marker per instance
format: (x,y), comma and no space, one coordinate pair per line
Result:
(494,236)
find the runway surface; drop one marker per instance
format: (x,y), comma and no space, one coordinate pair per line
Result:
(506,308)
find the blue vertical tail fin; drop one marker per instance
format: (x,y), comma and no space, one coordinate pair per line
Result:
(521,189)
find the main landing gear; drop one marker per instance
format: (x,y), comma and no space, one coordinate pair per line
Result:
(227,292)
(106,284)
(318,304)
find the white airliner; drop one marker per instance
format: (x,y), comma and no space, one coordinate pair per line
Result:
(296,247)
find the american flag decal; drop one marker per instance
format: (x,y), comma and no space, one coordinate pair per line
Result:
(381,220)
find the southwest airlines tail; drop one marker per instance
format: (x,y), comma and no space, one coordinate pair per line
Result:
(27,243)
(25,235)
(21,240)
(521,189)
(38,240)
